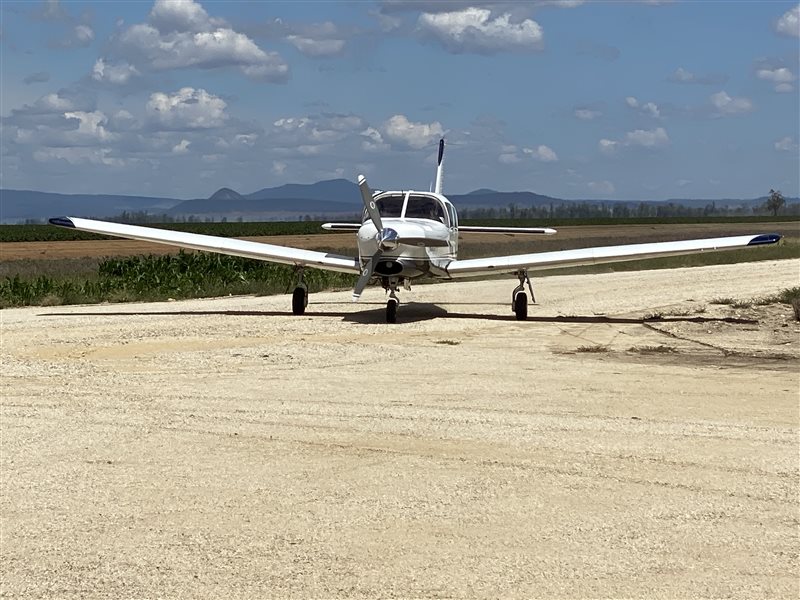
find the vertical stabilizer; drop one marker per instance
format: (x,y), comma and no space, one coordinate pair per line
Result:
(438,187)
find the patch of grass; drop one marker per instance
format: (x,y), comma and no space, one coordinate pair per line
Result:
(652,349)
(592,349)
(447,342)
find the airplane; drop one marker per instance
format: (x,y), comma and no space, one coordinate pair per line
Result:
(408,235)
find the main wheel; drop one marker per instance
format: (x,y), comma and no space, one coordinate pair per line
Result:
(391,310)
(299,301)
(521,306)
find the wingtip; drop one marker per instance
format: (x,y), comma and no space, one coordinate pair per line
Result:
(62,222)
(766,238)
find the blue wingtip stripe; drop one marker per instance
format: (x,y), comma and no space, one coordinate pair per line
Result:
(62,222)
(767,238)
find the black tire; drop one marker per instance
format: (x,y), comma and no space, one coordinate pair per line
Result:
(299,301)
(391,311)
(521,306)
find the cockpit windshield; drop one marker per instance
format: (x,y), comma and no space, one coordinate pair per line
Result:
(390,206)
(424,207)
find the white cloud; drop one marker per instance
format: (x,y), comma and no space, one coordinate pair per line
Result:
(179,15)
(586,114)
(508,158)
(789,23)
(278,167)
(781,77)
(607,146)
(187,109)
(726,105)
(373,140)
(541,153)
(653,138)
(91,124)
(181,35)
(83,35)
(785,144)
(601,187)
(182,147)
(643,138)
(473,30)
(316,48)
(118,74)
(398,129)
(649,109)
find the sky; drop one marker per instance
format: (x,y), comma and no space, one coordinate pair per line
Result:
(628,100)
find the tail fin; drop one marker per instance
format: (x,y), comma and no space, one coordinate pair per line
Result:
(439,168)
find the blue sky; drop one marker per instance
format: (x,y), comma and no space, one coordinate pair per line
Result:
(631,100)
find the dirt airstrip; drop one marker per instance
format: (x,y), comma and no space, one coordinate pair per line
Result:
(224,448)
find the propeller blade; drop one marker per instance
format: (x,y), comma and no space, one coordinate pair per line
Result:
(365,276)
(369,203)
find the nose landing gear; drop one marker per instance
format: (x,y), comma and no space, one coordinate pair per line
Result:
(390,285)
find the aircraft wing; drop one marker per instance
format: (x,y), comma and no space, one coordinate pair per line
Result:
(341,226)
(221,245)
(506,230)
(605,254)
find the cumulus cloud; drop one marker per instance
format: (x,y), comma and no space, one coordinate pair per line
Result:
(181,35)
(785,144)
(315,40)
(91,124)
(316,48)
(188,108)
(399,130)
(473,30)
(781,77)
(79,155)
(649,109)
(642,138)
(181,147)
(373,140)
(789,23)
(541,153)
(118,74)
(725,105)
(681,75)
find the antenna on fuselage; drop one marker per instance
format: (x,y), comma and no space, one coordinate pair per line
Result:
(439,168)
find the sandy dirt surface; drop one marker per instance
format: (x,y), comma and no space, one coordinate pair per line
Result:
(567,238)
(225,449)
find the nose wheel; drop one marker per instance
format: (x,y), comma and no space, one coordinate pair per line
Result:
(390,284)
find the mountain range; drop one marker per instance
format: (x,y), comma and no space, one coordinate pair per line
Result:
(331,199)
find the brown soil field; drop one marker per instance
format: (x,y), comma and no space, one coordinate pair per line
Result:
(223,448)
(481,244)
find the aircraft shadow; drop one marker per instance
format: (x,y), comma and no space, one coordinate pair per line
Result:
(413,312)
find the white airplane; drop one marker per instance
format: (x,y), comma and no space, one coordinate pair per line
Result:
(409,235)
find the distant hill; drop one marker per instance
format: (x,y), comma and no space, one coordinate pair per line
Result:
(18,205)
(335,198)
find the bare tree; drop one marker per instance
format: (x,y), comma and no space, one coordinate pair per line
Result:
(775,202)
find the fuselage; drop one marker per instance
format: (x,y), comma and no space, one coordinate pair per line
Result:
(426,228)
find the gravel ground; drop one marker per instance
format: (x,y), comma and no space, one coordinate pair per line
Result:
(224,448)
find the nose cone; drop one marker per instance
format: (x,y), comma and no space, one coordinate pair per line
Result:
(387,239)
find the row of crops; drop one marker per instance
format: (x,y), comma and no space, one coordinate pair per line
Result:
(184,275)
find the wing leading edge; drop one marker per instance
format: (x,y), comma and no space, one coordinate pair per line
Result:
(605,254)
(210,243)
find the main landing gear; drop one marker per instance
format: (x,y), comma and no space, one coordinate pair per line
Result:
(519,299)
(300,295)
